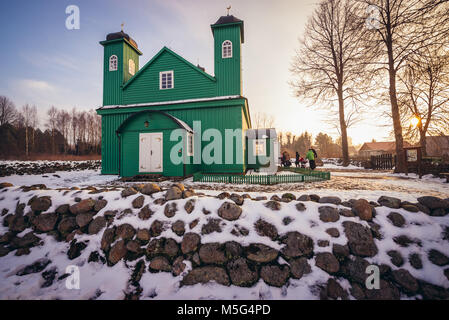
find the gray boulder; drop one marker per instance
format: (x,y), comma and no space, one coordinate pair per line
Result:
(299,267)
(275,276)
(206,274)
(229,211)
(297,245)
(240,273)
(434,202)
(332,200)
(328,214)
(327,262)
(41,204)
(173,193)
(389,202)
(396,219)
(45,222)
(212,253)
(190,242)
(150,188)
(438,258)
(261,253)
(96,225)
(360,239)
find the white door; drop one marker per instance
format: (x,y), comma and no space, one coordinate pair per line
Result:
(156,152)
(150,152)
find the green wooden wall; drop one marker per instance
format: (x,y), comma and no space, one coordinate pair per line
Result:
(228,70)
(189,83)
(129,53)
(129,143)
(220,115)
(113,80)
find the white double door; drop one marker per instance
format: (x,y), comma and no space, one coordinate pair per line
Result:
(150,152)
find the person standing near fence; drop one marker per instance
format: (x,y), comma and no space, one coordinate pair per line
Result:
(297,159)
(311,157)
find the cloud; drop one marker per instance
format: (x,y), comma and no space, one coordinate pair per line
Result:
(45,94)
(39,85)
(55,61)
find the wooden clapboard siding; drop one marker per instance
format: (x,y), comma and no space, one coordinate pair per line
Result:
(189,83)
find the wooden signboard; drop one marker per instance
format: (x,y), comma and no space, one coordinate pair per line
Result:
(413,157)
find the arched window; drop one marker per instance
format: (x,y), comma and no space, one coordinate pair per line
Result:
(131,67)
(113,63)
(226,49)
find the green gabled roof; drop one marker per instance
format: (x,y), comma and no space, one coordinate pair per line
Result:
(165,49)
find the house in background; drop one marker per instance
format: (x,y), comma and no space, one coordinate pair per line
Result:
(369,149)
(143,106)
(437,146)
(352,150)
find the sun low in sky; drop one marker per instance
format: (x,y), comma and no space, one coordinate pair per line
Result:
(45,64)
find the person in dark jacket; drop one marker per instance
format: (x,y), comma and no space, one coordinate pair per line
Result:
(297,159)
(285,160)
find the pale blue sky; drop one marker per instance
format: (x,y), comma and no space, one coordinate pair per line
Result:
(45,64)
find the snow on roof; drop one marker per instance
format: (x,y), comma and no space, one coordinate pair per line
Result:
(168,102)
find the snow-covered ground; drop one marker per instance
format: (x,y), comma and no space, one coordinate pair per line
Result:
(61,179)
(18,163)
(367,183)
(327,166)
(334,163)
(101,282)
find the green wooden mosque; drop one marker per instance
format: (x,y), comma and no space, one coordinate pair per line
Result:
(144,108)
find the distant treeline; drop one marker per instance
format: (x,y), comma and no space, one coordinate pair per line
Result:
(66,133)
(323,144)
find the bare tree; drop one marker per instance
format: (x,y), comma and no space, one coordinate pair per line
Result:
(423,94)
(327,66)
(63,125)
(34,123)
(74,124)
(82,128)
(263,120)
(98,132)
(8,111)
(400,28)
(27,113)
(52,114)
(90,117)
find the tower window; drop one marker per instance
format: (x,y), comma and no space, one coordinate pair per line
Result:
(226,49)
(131,67)
(166,80)
(113,63)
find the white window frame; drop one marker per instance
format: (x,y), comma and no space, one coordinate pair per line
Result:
(225,47)
(170,72)
(113,63)
(256,151)
(190,147)
(132,71)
